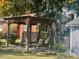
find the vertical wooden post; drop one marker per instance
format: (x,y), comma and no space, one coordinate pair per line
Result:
(8,34)
(27,30)
(29,35)
(38,30)
(18,30)
(27,46)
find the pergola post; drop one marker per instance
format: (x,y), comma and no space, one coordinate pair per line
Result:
(8,35)
(27,34)
(18,29)
(38,30)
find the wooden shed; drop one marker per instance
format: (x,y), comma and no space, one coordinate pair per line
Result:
(35,26)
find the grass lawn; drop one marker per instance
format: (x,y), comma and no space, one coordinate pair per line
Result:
(10,54)
(32,57)
(25,57)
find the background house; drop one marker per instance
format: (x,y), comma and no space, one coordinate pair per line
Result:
(74,36)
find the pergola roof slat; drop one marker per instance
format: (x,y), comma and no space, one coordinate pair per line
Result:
(21,19)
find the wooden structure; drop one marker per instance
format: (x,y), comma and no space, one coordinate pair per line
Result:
(29,20)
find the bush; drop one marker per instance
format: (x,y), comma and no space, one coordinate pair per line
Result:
(12,38)
(59,47)
(1,35)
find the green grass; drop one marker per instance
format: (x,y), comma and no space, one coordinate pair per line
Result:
(25,57)
(32,57)
(13,54)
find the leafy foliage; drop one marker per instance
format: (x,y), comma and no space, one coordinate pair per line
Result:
(13,7)
(18,7)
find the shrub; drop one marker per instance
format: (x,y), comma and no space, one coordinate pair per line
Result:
(59,47)
(1,35)
(12,37)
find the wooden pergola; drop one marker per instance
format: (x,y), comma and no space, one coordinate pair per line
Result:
(29,20)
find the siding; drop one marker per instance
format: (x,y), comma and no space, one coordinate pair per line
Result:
(75,42)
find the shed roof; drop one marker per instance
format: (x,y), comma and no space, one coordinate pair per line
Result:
(74,22)
(22,18)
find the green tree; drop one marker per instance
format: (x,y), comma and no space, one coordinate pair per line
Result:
(14,7)
(19,7)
